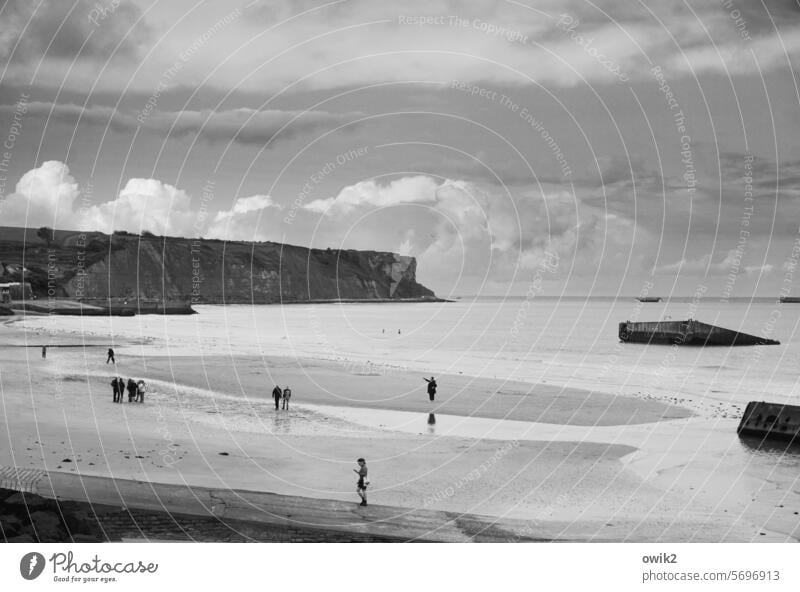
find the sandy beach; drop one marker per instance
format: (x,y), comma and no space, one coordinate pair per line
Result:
(625,466)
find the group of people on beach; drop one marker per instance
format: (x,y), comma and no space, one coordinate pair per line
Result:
(136,390)
(281,395)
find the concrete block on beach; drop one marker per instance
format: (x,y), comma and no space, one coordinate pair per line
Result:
(771,421)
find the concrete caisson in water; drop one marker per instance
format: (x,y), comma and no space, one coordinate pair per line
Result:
(689,332)
(771,421)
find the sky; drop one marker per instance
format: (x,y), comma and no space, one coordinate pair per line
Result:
(527,147)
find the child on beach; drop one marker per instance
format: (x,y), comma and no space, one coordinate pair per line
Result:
(287,394)
(361,486)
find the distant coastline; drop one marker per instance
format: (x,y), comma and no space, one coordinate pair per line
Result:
(621,298)
(340,301)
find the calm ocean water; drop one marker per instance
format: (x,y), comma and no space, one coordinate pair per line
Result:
(559,341)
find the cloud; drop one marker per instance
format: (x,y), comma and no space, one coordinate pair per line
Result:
(43,196)
(50,196)
(244,205)
(732,263)
(145,204)
(244,220)
(66,30)
(471,228)
(367,41)
(244,126)
(417,189)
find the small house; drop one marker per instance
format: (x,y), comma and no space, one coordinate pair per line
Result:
(15,291)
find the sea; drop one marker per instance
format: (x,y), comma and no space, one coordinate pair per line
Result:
(572,342)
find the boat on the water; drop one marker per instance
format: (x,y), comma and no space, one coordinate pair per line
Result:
(688,332)
(789,299)
(770,421)
(648,298)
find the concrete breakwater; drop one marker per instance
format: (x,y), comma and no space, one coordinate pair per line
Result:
(690,332)
(64,307)
(771,421)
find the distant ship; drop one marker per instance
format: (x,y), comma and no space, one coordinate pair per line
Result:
(648,298)
(790,299)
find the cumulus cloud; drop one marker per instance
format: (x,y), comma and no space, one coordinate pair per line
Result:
(50,196)
(420,188)
(243,221)
(479,229)
(43,196)
(145,204)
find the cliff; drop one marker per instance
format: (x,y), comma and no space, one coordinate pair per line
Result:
(93,265)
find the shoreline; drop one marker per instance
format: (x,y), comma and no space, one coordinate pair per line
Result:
(208,421)
(69,307)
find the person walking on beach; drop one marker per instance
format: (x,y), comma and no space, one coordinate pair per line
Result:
(287,394)
(133,393)
(44,352)
(141,387)
(116,386)
(277,393)
(361,486)
(431,387)
(110,356)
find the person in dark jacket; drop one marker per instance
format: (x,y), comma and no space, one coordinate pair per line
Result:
(116,386)
(287,394)
(277,393)
(431,387)
(110,356)
(132,391)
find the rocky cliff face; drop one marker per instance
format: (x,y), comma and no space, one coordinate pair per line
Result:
(95,265)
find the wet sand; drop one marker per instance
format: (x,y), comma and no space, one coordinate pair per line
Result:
(209,421)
